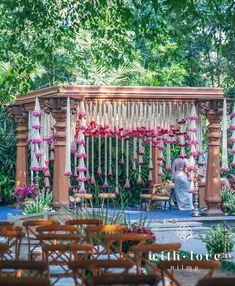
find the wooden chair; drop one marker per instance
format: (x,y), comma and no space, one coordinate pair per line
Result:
(11,242)
(106,196)
(82,224)
(158,193)
(34,248)
(102,267)
(141,252)
(168,268)
(114,243)
(225,281)
(84,199)
(57,229)
(19,268)
(95,236)
(6,223)
(60,249)
(24,281)
(129,279)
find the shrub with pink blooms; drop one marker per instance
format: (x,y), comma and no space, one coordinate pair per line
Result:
(25,192)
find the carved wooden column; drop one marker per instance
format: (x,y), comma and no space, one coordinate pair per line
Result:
(156,153)
(20,116)
(57,107)
(213,110)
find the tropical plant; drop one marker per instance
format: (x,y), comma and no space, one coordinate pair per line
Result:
(42,201)
(215,240)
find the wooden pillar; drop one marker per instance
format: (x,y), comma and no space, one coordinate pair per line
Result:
(156,153)
(21,150)
(60,182)
(213,184)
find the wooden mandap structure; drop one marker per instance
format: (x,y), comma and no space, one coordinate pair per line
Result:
(153,115)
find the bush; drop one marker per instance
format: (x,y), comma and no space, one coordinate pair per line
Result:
(215,240)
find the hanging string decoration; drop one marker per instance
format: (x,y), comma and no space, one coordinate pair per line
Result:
(81,154)
(224,165)
(192,130)
(160,158)
(36,139)
(45,118)
(68,171)
(168,154)
(127,184)
(232,139)
(150,166)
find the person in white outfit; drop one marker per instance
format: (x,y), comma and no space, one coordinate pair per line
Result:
(179,175)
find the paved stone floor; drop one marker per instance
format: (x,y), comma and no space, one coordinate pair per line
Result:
(165,225)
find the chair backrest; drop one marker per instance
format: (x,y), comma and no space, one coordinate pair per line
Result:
(225,281)
(85,222)
(128,279)
(6,223)
(59,229)
(61,254)
(46,239)
(11,242)
(106,228)
(116,243)
(168,268)
(31,232)
(24,281)
(95,236)
(100,267)
(23,268)
(142,252)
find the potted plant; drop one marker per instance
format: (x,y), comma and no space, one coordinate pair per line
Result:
(40,204)
(24,194)
(215,241)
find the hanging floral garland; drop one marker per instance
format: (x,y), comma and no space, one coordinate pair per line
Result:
(68,171)
(160,158)
(232,139)
(127,184)
(36,138)
(192,142)
(81,150)
(150,166)
(224,166)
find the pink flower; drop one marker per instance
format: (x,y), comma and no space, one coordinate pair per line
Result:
(68,174)
(36,126)
(81,169)
(37,113)
(169,169)
(105,184)
(224,169)
(139,182)
(81,179)
(127,186)
(192,191)
(93,182)
(193,117)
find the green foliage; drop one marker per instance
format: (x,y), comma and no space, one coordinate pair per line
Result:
(39,203)
(215,240)
(7,158)
(227,195)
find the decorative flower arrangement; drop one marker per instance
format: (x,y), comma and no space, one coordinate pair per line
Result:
(140,229)
(25,192)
